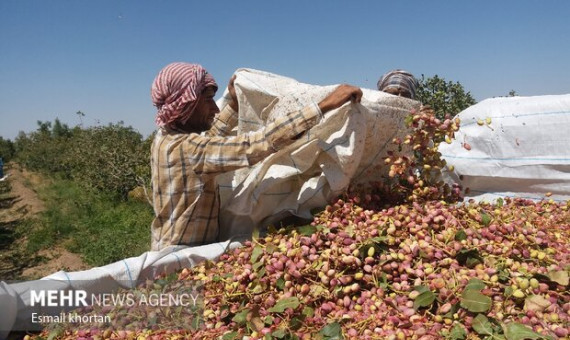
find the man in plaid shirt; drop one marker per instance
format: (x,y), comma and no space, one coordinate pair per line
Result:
(192,146)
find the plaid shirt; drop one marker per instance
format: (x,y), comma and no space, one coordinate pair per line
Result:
(184,168)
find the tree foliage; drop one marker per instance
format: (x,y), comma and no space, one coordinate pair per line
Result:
(111,158)
(445,97)
(6,149)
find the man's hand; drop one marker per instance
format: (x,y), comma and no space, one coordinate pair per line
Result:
(339,96)
(233,97)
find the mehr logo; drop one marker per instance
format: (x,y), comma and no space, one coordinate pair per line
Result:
(59,298)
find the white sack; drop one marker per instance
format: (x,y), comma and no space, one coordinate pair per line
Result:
(347,146)
(524,152)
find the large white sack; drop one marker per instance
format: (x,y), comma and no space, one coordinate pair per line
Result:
(524,152)
(346,147)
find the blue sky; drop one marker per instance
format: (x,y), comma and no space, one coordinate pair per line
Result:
(100,57)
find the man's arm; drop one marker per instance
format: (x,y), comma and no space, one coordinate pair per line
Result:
(217,154)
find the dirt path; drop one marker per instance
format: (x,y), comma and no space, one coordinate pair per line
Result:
(19,204)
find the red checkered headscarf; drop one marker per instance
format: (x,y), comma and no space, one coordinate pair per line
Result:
(176,91)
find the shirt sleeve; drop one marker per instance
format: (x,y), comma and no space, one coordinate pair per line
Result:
(217,154)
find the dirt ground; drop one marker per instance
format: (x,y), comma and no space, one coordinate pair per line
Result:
(21,203)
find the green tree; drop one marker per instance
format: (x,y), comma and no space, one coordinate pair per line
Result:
(6,149)
(111,158)
(45,149)
(444,97)
(60,130)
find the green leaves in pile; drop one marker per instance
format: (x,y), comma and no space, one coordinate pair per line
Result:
(483,326)
(475,284)
(457,333)
(281,305)
(485,219)
(469,257)
(473,300)
(425,299)
(331,331)
(476,302)
(516,331)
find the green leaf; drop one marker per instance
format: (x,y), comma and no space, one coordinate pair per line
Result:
(270,248)
(257,265)
(475,302)
(291,302)
(295,323)
(382,281)
(560,277)
(268,320)
(472,262)
(279,334)
(256,287)
(475,284)
(280,283)
(55,333)
(308,311)
(230,336)
(331,331)
(469,258)
(425,299)
(460,235)
(319,290)
(500,202)
(257,251)
(482,326)
(421,289)
(508,291)
(485,219)
(196,323)
(457,333)
(379,239)
(307,230)
(517,331)
(241,317)
(496,336)
(255,233)
(503,275)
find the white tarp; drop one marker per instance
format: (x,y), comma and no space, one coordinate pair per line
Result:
(347,146)
(523,152)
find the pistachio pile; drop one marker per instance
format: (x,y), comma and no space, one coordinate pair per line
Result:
(399,259)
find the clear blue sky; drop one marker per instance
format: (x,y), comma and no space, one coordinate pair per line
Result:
(100,56)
